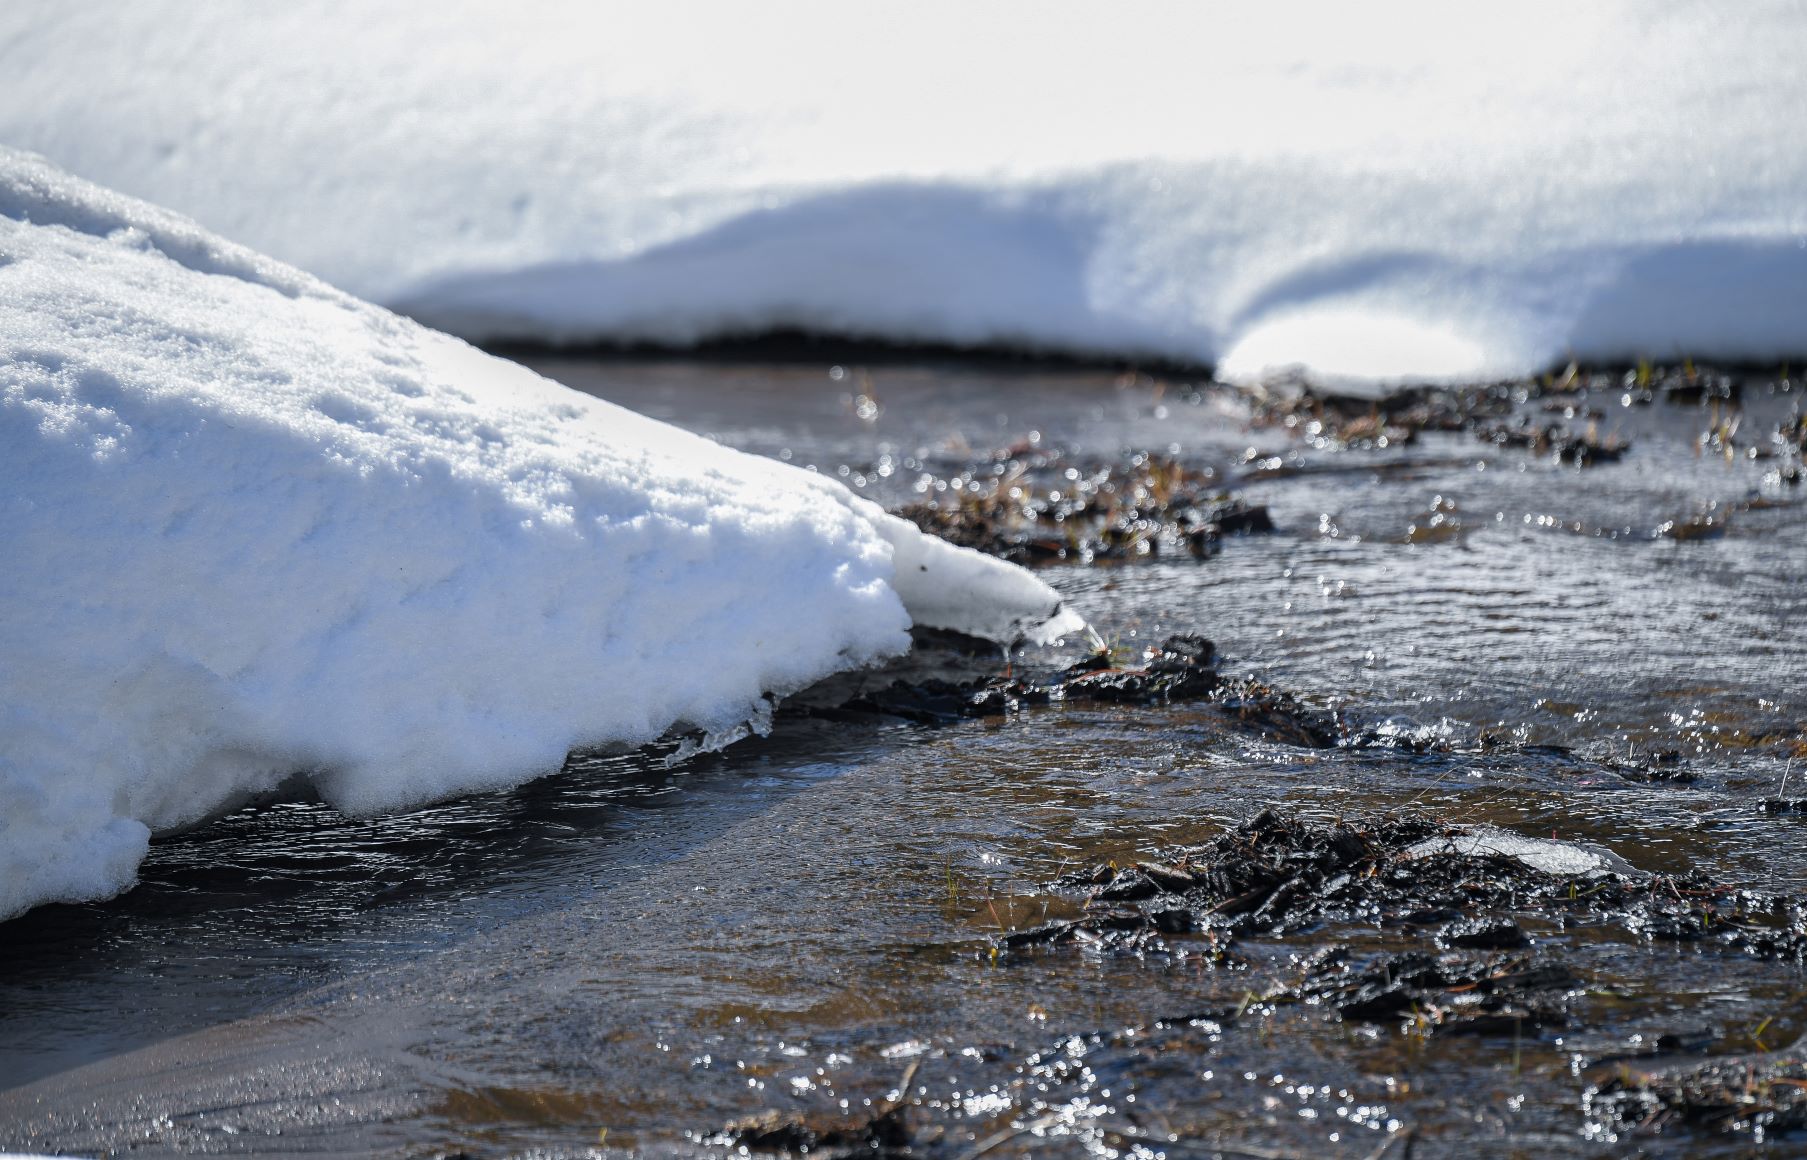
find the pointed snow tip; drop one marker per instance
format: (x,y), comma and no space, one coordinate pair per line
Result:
(1061,622)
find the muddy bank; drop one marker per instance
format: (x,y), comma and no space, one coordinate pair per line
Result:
(948,677)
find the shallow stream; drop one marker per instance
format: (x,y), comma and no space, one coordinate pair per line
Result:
(634,956)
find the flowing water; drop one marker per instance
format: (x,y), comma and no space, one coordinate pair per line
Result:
(633,954)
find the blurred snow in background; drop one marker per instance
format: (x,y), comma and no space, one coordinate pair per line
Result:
(1374,191)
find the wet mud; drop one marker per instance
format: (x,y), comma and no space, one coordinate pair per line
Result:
(1180,669)
(1455,886)
(1032,505)
(1763,1095)
(1562,417)
(1414,926)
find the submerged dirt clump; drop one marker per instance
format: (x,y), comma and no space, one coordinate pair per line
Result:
(948,678)
(1183,668)
(1572,407)
(1559,441)
(1447,994)
(1033,505)
(1330,421)
(1489,413)
(883,1133)
(1792,434)
(1420,937)
(1453,886)
(1761,1094)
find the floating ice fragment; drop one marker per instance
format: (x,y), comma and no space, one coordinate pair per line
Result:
(1549,855)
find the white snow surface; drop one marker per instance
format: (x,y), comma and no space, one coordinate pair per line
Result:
(253,527)
(1387,190)
(1549,855)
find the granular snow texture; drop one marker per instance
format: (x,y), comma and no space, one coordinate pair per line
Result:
(255,528)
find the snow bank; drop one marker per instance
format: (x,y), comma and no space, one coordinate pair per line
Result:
(1390,189)
(254,527)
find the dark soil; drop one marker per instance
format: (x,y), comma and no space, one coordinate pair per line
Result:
(956,678)
(1764,1095)
(1490,414)
(1180,669)
(1408,924)
(1569,430)
(1278,875)
(1036,505)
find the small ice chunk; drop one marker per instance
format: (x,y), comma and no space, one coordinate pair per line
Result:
(1549,855)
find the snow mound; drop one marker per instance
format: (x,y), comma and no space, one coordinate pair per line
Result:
(256,528)
(1390,190)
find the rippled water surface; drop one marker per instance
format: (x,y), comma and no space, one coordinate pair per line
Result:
(631,955)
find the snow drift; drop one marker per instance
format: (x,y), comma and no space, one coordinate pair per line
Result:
(254,528)
(1390,189)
